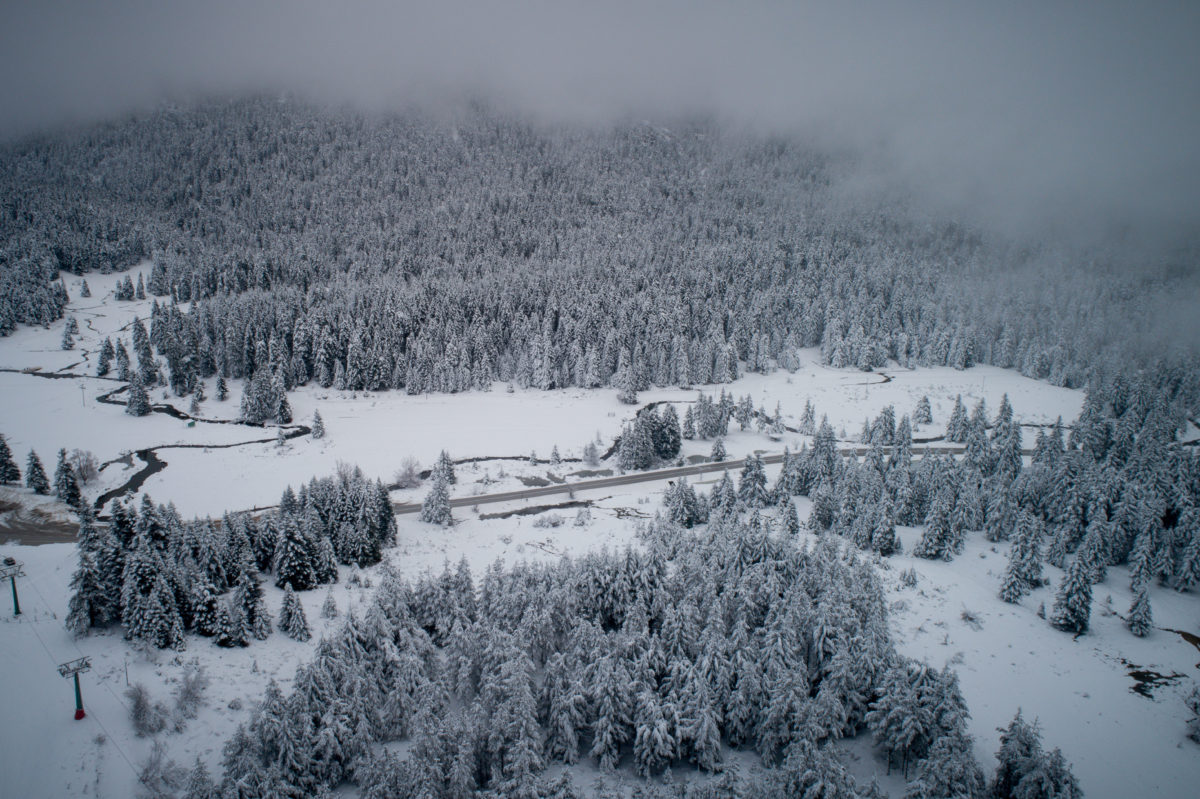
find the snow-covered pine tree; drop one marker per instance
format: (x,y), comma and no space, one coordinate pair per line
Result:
(66,488)
(249,595)
(436,507)
(231,624)
(295,556)
(91,603)
(718,453)
(149,611)
(138,403)
(957,427)
(445,467)
(923,414)
(222,389)
(668,437)
(937,540)
(329,606)
(105,359)
(791,519)
(291,617)
(688,429)
(1141,620)
(85,291)
(752,487)
(35,475)
(1073,602)
(808,419)
(9,472)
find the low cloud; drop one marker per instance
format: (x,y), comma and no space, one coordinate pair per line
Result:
(1067,119)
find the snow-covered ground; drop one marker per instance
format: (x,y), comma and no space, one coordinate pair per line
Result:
(1122,743)
(378,431)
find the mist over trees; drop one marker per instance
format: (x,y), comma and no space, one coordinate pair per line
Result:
(485,248)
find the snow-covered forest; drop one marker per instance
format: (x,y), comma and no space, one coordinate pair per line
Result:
(683,288)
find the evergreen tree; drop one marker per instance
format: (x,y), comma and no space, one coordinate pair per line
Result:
(222,389)
(436,507)
(791,519)
(1020,748)
(138,403)
(329,606)
(445,468)
(104,362)
(35,475)
(85,291)
(1073,602)
(957,427)
(253,605)
(688,430)
(149,610)
(1140,621)
(295,557)
(231,624)
(937,540)
(123,370)
(1024,567)
(9,473)
(66,488)
(752,487)
(718,453)
(667,434)
(923,414)
(291,617)
(91,603)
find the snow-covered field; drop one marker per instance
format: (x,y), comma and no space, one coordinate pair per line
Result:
(1121,743)
(377,431)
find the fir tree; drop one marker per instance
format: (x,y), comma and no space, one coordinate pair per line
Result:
(436,507)
(752,487)
(222,389)
(104,362)
(85,291)
(249,596)
(138,403)
(329,607)
(231,624)
(718,453)
(123,370)
(35,475)
(66,488)
(149,610)
(1073,602)
(91,602)
(791,519)
(9,473)
(291,617)
(923,414)
(957,427)
(68,341)
(318,426)
(1140,621)
(294,557)
(445,468)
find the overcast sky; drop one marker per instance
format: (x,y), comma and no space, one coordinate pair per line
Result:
(1077,115)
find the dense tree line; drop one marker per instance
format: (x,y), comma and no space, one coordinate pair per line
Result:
(726,637)
(160,577)
(423,254)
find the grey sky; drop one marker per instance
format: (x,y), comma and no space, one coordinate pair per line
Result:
(1072,115)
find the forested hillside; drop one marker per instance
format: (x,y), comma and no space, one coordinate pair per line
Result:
(440,254)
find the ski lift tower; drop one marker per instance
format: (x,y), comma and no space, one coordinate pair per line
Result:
(12,570)
(73,669)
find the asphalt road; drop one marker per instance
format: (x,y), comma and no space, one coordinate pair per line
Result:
(642,477)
